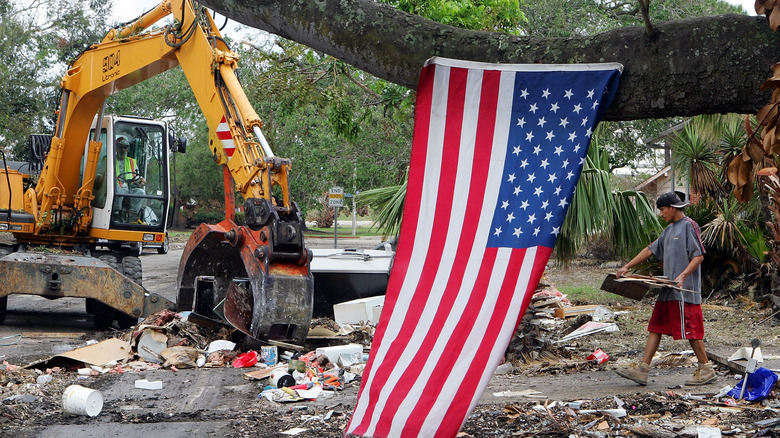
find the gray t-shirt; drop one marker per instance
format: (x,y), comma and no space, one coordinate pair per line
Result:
(678,244)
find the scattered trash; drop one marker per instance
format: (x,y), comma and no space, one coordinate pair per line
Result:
(145,384)
(246,360)
(219,345)
(78,400)
(504,368)
(180,357)
(333,352)
(759,385)
(359,310)
(44,379)
(150,344)
(281,379)
(530,393)
(590,328)
(269,355)
(598,356)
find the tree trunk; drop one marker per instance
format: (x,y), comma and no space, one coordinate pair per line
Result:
(702,65)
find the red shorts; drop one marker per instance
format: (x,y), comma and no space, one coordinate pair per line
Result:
(677,319)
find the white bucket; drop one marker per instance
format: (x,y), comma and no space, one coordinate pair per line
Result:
(78,400)
(281,378)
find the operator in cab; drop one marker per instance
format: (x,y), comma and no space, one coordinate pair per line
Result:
(128,181)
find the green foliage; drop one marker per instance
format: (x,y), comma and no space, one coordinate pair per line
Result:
(36,40)
(567,18)
(489,15)
(389,204)
(696,157)
(338,125)
(754,242)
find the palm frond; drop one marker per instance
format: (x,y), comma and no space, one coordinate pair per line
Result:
(388,202)
(696,156)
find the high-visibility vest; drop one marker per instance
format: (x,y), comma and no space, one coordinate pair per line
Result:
(129,162)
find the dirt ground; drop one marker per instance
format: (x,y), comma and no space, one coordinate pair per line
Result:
(547,397)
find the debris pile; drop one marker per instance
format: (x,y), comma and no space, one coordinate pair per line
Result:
(658,414)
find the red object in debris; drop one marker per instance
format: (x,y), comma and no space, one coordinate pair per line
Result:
(599,356)
(248,359)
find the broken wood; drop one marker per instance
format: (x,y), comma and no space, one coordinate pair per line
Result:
(566,312)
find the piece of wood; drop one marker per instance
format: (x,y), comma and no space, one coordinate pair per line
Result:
(633,290)
(566,312)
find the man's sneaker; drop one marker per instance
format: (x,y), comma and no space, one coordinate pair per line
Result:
(636,372)
(703,375)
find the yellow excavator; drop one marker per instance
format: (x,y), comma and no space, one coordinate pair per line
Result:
(100,191)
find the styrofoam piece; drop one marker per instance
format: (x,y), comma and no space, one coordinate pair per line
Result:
(333,352)
(376,312)
(221,344)
(78,400)
(145,384)
(359,310)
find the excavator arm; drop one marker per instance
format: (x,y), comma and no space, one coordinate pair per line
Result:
(255,276)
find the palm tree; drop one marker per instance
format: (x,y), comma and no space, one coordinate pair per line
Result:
(696,155)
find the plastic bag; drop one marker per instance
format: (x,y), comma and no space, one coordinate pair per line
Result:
(245,360)
(759,385)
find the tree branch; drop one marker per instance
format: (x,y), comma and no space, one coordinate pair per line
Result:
(697,66)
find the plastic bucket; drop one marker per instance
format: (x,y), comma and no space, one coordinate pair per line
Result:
(280,379)
(78,400)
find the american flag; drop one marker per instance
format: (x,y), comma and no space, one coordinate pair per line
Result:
(497,152)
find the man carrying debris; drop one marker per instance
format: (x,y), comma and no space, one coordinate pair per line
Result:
(677,312)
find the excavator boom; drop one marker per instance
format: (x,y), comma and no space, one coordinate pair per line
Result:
(255,276)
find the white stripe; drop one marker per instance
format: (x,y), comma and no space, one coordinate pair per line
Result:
(457,216)
(223,127)
(422,233)
(460,63)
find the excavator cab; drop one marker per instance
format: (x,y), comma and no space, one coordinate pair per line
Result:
(132,179)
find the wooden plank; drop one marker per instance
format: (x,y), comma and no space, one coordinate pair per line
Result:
(566,312)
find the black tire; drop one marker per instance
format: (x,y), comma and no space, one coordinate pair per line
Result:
(103,314)
(3,308)
(132,268)
(163,249)
(4,300)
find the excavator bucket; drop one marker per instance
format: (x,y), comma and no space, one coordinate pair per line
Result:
(256,279)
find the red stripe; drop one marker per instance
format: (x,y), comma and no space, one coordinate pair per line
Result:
(484,140)
(448,172)
(224,135)
(408,225)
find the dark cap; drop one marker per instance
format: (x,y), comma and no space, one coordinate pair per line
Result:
(672,199)
(121,142)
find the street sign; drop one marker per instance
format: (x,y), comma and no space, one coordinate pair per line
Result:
(336,197)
